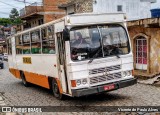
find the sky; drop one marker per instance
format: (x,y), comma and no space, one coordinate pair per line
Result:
(7,5)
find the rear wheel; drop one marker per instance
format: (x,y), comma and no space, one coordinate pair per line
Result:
(55,90)
(25,83)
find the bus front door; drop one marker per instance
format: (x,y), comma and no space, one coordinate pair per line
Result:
(62,62)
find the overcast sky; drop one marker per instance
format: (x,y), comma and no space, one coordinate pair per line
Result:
(7,5)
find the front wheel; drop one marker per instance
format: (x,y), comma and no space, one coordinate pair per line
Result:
(25,83)
(55,90)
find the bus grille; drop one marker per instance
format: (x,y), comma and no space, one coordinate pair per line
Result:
(105,69)
(95,80)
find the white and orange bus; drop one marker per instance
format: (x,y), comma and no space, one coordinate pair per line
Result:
(50,56)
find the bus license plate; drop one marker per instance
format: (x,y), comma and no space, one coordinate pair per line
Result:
(109,87)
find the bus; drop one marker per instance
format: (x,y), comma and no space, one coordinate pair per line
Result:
(51,56)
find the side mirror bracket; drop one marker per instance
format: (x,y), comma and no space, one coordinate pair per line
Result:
(66,34)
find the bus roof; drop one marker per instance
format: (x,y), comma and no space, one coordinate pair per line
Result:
(81,19)
(38,27)
(94,18)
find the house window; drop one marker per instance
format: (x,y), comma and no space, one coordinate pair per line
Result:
(35,42)
(40,22)
(119,8)
(70,13)
(141,53)
(48,40)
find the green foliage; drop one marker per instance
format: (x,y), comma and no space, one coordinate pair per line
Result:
(14,17)
(14,14)
(16,21)
(13,20)
(5,21)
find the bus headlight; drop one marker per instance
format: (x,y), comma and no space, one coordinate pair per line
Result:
(126,73)
(81,81)
(84,81)
(129,73)
(78,82)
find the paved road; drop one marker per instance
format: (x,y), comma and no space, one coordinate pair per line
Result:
(16,94)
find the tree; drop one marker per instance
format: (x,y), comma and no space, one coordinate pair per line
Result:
(14,14)
(17,21)
(5,21)
(14,17)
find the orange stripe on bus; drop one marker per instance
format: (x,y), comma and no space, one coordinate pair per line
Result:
(15,72)
(37,79)
(59,86)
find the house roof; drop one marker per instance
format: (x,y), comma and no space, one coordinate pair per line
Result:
(7,29)
(63,6)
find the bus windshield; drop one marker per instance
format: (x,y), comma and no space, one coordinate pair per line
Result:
(98,42)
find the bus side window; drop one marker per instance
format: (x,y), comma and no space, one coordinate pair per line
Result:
(26,43)
(48,40)
(35,42)
(9,47)
(19,45)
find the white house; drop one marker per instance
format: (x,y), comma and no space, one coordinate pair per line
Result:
(134,9)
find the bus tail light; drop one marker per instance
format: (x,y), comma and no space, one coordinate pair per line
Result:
(73,83)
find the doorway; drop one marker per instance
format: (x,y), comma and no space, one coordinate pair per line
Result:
(141,53)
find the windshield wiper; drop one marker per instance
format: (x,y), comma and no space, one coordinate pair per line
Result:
(95,55)
(117,55)
(116,52)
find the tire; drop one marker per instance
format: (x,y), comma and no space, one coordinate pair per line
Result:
(56,92)
(25,83)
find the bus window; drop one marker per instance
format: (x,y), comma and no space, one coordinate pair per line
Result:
(9,47)
(48,40)
(19,45)
(26,43)
(35,42)
(115,41)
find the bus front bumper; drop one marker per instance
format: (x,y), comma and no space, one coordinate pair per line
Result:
(103,88)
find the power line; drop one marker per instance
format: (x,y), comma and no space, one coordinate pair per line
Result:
(8,4)
(24,1)
(4,12)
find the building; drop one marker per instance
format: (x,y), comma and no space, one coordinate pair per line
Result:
(145,39)
(2,39)
(38,13)
(144,31)
(134,9)
(4,33)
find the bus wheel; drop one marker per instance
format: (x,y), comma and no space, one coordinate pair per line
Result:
(56,91)
(25,83)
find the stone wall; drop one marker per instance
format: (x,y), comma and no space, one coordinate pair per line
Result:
(153,39)
(84,6)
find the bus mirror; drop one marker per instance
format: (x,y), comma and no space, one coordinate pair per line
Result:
(66,34)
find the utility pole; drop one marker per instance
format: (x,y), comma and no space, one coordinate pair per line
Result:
(25,7)
(25,2)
